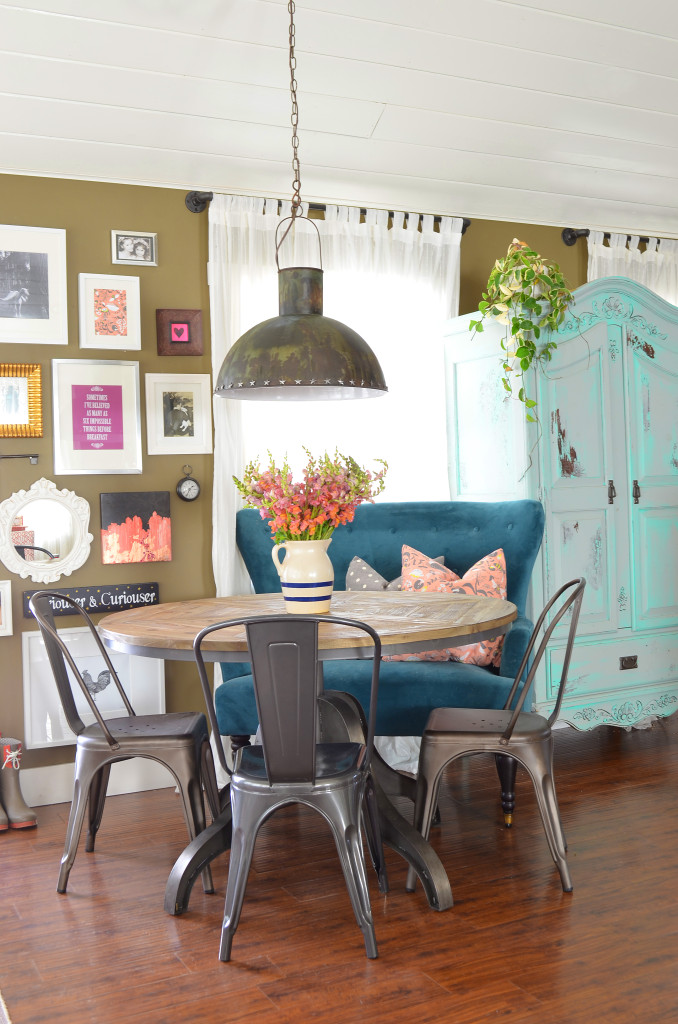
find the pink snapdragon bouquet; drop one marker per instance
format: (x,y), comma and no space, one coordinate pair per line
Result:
(326,497)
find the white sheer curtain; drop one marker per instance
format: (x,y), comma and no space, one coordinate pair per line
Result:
(656,268)
(395,287)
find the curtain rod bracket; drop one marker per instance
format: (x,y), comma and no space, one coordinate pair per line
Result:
(570,235)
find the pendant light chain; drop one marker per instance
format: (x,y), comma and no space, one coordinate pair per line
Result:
(296,171)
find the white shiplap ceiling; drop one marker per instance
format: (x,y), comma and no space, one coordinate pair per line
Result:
(560,112)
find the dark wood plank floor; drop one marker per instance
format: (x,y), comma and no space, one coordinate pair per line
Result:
(513,948)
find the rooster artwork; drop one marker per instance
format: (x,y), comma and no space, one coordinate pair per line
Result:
(96,686)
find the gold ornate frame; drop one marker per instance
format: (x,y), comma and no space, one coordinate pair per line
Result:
(31,372)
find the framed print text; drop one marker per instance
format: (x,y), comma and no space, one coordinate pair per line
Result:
(33,300)
(97,421)
(110,312)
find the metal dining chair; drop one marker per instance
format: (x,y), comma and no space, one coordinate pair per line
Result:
(292,764)
(178,740)
(526,736)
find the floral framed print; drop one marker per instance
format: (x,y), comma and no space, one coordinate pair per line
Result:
(134,247)
(20,400)
(178,413)
(5,607)
(110,312)
(33,298)
(97,416)
(179,332)
(45,725)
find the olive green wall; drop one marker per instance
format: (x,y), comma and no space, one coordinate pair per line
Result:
(88,211)
(486,240)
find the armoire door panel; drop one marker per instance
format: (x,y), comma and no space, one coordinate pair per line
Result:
(574,393)
(582,544)
(652,373)
(656,577)
(584,476)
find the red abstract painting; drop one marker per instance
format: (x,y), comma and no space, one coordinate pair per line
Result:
(135,527)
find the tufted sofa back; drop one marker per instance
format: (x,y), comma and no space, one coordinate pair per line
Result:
(461,531)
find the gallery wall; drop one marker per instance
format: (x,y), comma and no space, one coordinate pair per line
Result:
(89,211)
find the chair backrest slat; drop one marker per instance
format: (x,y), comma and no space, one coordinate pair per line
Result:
(572,603)
(284,668)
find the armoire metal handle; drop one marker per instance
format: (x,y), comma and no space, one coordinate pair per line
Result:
(636,492)
(611,492)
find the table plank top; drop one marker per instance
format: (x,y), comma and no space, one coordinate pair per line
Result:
(398,617)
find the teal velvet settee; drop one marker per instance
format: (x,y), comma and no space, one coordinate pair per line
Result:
(461,531)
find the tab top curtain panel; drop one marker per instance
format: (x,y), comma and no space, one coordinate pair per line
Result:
(394,286)
(656,268)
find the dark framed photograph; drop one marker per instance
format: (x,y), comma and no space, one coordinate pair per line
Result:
(134,247)
(179,332)
(33,300)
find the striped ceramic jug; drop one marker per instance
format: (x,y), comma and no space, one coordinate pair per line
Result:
(306,575)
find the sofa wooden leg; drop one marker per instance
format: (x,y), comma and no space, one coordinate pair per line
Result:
(506,769)
(237,743)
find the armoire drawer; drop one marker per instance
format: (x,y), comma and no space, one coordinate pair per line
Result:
(596,665)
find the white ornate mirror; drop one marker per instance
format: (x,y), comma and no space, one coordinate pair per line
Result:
(44,532)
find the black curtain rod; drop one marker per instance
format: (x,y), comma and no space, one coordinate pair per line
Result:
(570,235)
(197,202)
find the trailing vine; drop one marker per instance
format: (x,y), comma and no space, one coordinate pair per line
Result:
(528,294)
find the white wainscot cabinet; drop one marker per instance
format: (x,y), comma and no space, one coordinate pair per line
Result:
(604,462)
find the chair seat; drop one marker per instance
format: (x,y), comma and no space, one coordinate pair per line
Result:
(478,722)
(332,761)
(190,726)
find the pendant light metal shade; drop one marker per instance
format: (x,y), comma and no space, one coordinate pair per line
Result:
(300,355)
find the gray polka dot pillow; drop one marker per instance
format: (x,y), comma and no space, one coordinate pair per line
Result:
(361,576)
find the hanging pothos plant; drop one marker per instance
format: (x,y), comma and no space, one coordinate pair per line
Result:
(529,295)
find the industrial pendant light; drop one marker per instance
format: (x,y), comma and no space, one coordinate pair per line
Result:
(300,354)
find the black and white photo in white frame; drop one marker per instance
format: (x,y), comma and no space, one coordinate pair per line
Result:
(33,301)
(134,248)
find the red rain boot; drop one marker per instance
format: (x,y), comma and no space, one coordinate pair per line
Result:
(19,813)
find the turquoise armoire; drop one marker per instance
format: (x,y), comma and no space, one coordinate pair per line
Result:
(604,462)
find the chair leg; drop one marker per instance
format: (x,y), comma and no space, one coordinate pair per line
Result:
(538,763)
(342,810)
(246,822)
(97,799)
(506,769)
(373,833)
(86,770)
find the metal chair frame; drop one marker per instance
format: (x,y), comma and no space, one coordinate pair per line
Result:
(293,764)
(525,737)
(178,740)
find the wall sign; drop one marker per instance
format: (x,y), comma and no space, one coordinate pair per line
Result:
(114,598)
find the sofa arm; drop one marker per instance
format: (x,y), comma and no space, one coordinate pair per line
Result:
(515,643)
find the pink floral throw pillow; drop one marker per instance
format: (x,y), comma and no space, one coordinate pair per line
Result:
(487,578)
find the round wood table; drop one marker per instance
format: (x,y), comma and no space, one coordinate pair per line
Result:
(404,621)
